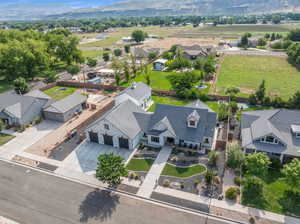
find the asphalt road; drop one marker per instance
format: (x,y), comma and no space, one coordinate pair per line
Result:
(32,197)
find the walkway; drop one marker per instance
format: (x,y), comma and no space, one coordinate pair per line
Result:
(154,173)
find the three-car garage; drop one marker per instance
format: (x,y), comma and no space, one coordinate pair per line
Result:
(109,140)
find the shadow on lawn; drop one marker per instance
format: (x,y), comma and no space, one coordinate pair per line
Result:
(98,205)
(290,203)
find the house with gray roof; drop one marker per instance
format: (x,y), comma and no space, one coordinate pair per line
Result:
(63,110)
(127,125)
(196,51)
(18,109)
(139,93)
(275,132)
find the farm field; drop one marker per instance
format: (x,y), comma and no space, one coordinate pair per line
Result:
(247,72)
(232,31)
(117,34)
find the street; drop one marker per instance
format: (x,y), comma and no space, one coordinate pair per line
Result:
(32,197)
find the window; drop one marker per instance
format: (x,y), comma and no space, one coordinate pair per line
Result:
(298,135)
(145,135)
(270,139)
(154,139)
(206,141)
(106,126)
(192,123)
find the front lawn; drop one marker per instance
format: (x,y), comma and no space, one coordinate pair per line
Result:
(247,72)
(60,92)
(5,138)
(278,197)
(140,164)
(159,80)
(174,171)
(167,100)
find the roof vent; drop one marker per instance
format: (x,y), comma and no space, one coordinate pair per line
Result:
(133,86)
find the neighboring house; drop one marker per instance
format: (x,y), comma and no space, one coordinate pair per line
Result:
(127,39)
(139,93)
(63,110)
(276,132)
(127,125)
(143,52)
(159,64)
(18,109)
(196,51)
(253,41)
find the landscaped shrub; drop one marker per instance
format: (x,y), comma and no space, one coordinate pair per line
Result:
(131,175)
(238,181)
(232,193)
(213,157)
(275,163)
(166,183)
(252,220)
(235,156)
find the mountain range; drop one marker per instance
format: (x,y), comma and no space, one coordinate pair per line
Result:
(37,9)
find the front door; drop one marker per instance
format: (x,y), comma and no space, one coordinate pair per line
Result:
(124,143)
(170,140)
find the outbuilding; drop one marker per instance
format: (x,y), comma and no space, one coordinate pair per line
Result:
(159,64)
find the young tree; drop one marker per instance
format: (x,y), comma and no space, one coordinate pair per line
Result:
(117,52)
(110,169)
(294,101)
(267,35)
(106,56)
(223,112)
(244,41)
(21,86)
(261,91)
(209,177)
(2,125)
(213,157)
(257,164)
(231,92)
(127,49)
(91,62)
(291,171)
(235,156)
(73,69)
(262,42)
(152,55)
(148,79)
(138,36)
(273,37)
(126,71)
(51,76)
(117,78)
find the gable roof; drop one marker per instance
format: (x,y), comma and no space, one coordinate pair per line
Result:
(67,103)
(24,107)
(177,121)
(257,124)
(137,91)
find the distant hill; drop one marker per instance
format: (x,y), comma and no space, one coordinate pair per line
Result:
(25,9)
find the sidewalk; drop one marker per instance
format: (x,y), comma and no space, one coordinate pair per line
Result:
(7,221)
(154,173)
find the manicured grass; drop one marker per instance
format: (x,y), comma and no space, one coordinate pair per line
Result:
(167,100)
(60,92)
(4,85)
(5,138)
(159,80)
(247,72)
(278,198)
(174,171)
(140,164)
(213,105)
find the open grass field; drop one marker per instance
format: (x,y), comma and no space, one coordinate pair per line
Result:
(247,72)
(232,31)
(278,197)
(167,100)
(5,138)
(60,92)
(174,171)
(116,34)
(140,164)
(92,53)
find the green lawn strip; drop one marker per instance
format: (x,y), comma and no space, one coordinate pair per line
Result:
(60,92)
(5,138)
(279,197)
(174,171)
(247,72)
(214,105)
(167,100)
(140,164)
(92,53)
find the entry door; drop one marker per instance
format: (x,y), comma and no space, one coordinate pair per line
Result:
(108,140)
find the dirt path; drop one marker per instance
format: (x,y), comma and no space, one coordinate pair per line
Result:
(215,80)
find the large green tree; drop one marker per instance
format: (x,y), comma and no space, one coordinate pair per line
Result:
(257,163)
(110,169)
(138,36)
(291,171)
(21,86)
(235,156)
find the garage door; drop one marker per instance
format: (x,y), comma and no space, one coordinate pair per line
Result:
(94,137)
(108,140)
(124,143)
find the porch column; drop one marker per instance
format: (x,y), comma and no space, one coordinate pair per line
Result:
(281,158)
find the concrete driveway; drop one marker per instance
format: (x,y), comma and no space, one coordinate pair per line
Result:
(27,138)
(84,157)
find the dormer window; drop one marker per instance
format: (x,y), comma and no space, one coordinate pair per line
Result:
(106,126)
(269,139)
(193,119)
